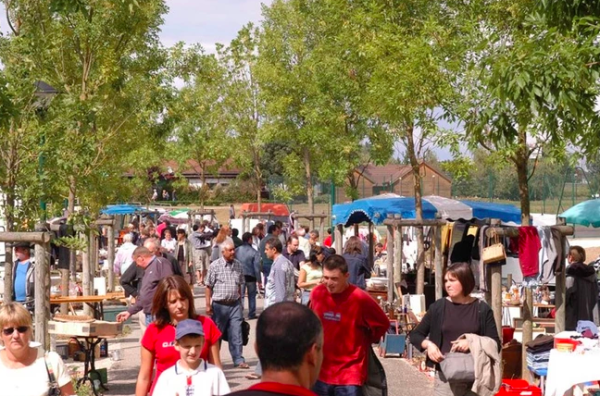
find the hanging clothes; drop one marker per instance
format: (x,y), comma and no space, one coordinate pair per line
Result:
(529,248)
(547,255)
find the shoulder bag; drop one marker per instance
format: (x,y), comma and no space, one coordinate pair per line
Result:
(54,389)
(458,367)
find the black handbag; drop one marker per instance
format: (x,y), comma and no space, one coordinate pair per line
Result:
(245,332)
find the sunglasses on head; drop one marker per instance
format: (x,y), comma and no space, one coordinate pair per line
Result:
(9,330)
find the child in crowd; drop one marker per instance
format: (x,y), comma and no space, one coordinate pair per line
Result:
(191,375)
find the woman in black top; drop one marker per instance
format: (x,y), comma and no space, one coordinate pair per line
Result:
(449,318)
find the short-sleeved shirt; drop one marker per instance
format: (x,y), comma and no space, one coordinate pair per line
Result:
(160,341)
(206,380)
(225,279)
(459,319)
(312,274)
(33,379)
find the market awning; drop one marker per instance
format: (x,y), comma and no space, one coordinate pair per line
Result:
(377,209)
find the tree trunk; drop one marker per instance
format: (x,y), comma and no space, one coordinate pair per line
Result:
(258,176)
(309,183)
(416,169)
(202,185)
(521,159)
(71,212)
(10,219)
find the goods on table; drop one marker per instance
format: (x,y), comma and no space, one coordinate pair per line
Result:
(73,318)
(86,329)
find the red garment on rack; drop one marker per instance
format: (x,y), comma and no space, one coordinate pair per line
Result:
(529,248)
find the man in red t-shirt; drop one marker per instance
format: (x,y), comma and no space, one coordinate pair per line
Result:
(289,344)
(352,321)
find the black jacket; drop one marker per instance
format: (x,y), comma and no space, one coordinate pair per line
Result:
(131,280)
(359,269)
(581,295)
(431,326)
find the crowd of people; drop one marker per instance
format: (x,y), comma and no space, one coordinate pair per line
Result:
(313,337)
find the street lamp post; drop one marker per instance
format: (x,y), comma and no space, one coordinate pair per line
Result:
(44,94)
(432,184)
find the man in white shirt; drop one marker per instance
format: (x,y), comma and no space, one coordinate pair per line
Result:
(123,258)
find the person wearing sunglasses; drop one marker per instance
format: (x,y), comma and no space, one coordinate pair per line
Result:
(24,369)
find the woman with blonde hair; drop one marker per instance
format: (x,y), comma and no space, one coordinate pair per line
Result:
(223,236)
(26,370)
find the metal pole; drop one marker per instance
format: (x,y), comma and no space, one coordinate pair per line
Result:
(390,262)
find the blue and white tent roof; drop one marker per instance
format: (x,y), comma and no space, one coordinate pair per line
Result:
(377,209)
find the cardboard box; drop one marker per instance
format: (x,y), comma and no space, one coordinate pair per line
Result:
(97,328)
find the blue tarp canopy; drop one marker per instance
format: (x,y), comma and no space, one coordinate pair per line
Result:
(376,209)
(122,209)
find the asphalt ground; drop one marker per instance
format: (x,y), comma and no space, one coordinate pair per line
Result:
(403,379)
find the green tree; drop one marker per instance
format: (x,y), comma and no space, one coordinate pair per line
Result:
(530,84)
(105,60)
(200,138)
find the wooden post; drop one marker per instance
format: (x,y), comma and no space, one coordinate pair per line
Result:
(508,281)
(110,232)
(527,331)
(42,294)
(355,229)
(397,254)
(560,297)
(8,275)
(371,247)
(390,262)
(496,290)
(439,276)
(322,228)
(85,271)
(339,243)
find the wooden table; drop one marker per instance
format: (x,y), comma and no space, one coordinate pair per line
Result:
(96,302)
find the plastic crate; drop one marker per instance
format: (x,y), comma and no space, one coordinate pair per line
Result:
(518,387)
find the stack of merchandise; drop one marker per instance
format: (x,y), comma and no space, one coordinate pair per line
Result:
(538,352)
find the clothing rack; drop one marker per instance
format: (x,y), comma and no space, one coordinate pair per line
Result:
(496,291)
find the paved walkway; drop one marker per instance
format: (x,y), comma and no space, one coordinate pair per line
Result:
(402,378)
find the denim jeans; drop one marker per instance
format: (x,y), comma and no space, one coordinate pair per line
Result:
(251,287)
(323,389)
(149,319)
(228,319)
(305,297)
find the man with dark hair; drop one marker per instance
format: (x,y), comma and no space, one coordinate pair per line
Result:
(23,276)
(235,236)
(154,271)
(293,253)
(250,260)
(200,238)
(282,234)
(289,345)
(280,284)
(266,262)
(352,321)
(313,238)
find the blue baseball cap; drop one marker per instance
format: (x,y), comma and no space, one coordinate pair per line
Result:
(187,327)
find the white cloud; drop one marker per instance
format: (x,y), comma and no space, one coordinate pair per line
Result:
(208,21)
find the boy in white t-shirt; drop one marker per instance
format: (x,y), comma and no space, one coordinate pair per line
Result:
(191,375)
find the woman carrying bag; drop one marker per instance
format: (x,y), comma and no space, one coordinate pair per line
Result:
(24,369)
(448,319)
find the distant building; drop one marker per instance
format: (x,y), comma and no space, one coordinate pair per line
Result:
(370,180)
